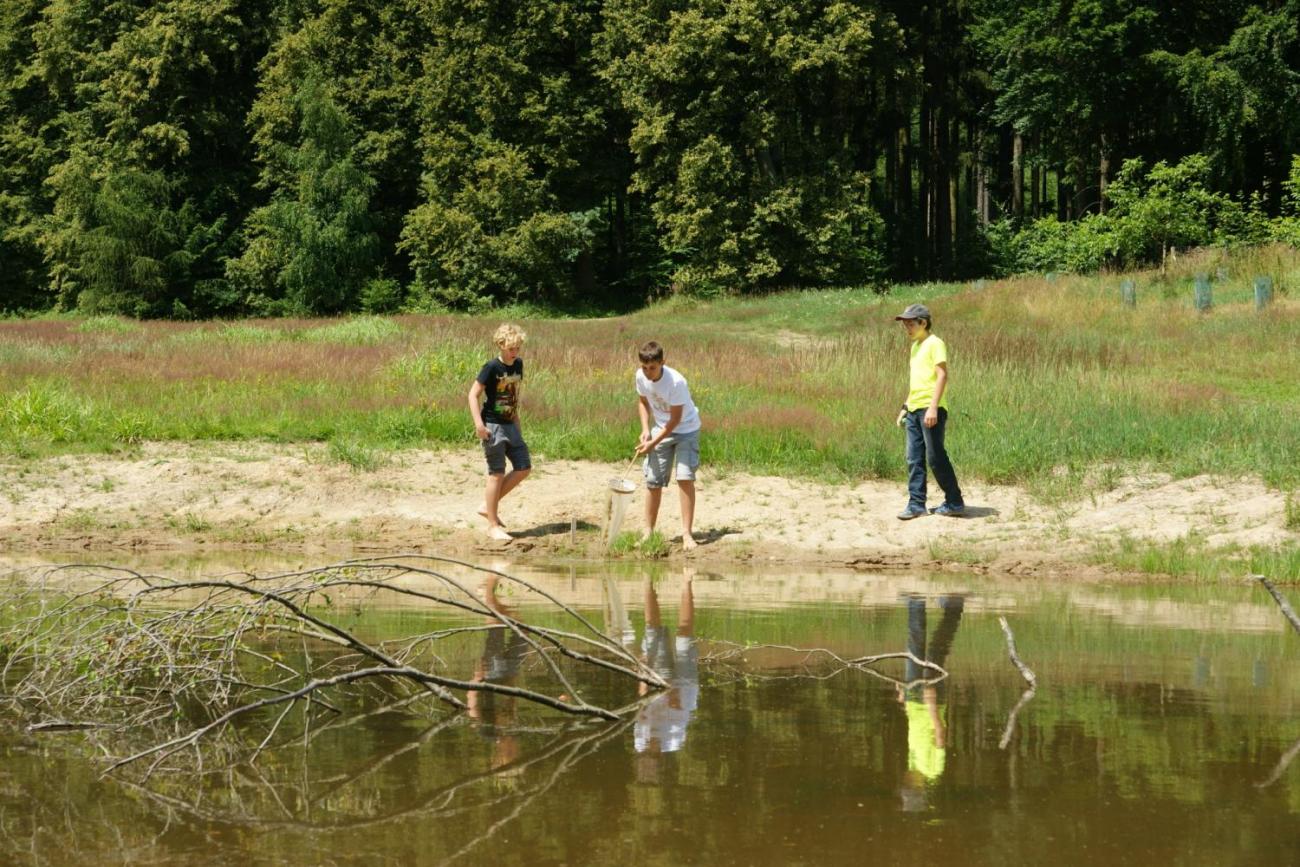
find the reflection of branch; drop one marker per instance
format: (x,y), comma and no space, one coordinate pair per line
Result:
(1015,658)
(440,803)
(1011,718)
(1287,610)
(171,746)
(577,753)
(374,765)
(861,663)
(1281,766)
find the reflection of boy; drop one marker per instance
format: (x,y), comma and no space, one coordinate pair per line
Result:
(924,704)
(672,444)
(661,724)
(497,424)
(503,653)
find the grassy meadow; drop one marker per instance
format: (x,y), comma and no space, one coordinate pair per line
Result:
(1056,385)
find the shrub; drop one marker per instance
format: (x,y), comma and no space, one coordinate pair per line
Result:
(1153,211)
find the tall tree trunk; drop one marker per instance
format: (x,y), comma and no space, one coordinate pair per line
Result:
(1034,193)
(925,197)
(1018,178)
(906,200)
(620,227)
(1001,193)
(891,175)
(981,178)
(942,192)
(1103,174)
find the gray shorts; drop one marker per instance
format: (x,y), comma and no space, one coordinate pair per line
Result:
(679,455)
(505,441)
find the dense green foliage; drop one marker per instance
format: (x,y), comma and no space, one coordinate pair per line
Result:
(224,157)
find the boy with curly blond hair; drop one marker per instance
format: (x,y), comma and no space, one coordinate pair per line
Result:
(496,422)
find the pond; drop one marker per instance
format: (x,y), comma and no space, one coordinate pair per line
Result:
(1161,731)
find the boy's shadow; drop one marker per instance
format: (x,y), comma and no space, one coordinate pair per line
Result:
(713,534)
(553,529)
(980,512)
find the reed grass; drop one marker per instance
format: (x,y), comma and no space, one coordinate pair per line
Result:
(1191,557)
(1049,379)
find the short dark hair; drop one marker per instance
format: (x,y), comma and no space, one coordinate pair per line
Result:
(650,352)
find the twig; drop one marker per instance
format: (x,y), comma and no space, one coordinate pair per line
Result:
(66,726)
(1287,610)
(1015,658)
(347,637)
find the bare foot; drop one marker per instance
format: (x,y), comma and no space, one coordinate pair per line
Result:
(499,534)
(688,542)
(483,513)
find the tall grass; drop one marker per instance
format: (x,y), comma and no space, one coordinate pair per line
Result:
(1190,557)
(1049,379)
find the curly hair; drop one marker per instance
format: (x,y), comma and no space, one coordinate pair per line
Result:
(509,336)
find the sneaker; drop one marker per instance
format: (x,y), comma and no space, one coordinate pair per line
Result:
(911,512)
(949,511)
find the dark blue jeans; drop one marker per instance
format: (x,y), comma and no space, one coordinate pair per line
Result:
(952,607)
(925,446)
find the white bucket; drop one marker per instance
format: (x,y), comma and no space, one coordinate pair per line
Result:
(620,495)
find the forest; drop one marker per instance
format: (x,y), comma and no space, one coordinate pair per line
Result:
(226,158)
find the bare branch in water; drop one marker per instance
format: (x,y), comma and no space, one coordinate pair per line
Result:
(1287,610)
(168,664)
(1015,657)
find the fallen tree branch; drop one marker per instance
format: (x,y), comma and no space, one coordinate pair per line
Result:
(1287,610)
(169,663)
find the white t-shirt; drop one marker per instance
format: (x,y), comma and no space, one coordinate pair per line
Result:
(670,391)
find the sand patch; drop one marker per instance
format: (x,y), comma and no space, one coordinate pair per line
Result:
(167,495)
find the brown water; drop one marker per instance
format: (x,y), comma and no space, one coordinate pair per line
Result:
(1158,734)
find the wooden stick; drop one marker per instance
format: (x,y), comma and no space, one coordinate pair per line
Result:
(1287,610)
(1015,658)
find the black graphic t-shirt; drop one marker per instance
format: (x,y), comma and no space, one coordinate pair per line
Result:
(501,390)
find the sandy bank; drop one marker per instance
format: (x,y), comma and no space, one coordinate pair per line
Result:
(166,496)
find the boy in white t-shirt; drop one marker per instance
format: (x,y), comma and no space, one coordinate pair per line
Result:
(672,443)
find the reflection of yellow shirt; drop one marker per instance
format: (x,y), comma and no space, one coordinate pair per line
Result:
(923,753)
(927,355)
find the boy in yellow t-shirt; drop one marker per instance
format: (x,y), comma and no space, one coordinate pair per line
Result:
(925,416)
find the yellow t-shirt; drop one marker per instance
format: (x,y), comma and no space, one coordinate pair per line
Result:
(923,753)
(927,355)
